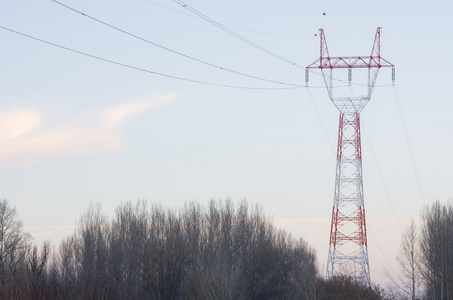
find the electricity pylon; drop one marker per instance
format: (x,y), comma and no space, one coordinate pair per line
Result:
(348,252)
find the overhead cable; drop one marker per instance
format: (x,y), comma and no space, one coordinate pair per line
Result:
(229,31)
(239,28)
(386,191)
(409,146)
(321,122)
(171,50)
(261,48)
(142,69)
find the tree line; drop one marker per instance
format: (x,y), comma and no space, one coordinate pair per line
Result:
(217,251)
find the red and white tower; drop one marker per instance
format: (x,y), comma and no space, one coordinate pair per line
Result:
(348,252)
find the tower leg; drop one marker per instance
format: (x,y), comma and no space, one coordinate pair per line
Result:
(348,253)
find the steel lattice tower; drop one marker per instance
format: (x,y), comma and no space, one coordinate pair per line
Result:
(348,252)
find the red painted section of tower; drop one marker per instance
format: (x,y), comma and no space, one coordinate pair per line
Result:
(338,62)
(339,220)
(376,51)
(324,58)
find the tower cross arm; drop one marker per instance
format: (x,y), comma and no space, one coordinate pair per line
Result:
(350,62)
(325,61)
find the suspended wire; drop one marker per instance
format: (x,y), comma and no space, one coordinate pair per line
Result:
(229,31)
(224,28)
(409,146)
(142,69)
(369,182)
(384,185)
(381,250)
(270,33)
(172,9)
(171,50)
(388,198)
(380,174)
(321,122)
(235,27)
(373,192)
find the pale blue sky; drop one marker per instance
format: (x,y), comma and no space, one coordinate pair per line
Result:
(75,130)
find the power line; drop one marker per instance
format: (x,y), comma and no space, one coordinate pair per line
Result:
(409,146)
(172,9)
(382,251)
(235,27)
(171,50)
(200,60)
(381,177)
(261,48)
(229,31)
(271,33)
(321,122)
(142,69)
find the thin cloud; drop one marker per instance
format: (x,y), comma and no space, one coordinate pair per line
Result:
(23,141)
(18,123)
(117,114)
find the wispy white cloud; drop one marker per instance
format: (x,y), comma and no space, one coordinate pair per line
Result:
(17,123)
(24,141)
(118,113)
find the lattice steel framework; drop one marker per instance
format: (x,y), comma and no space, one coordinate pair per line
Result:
(348,252)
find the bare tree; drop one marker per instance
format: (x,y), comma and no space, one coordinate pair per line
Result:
(436,244)
(304,277)
(126,240)
(67,267)
(37,272)
(224,251)
(409,261)
(91,253)
(13,244)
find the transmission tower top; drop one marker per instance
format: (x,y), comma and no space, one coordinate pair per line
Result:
(373,61)
(327,64)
